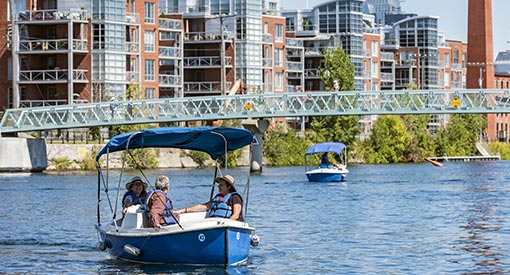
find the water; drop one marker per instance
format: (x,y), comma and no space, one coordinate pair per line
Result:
(385,219)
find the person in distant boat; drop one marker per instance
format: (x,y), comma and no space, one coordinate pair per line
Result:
(159,205)
(226,204)
(136,193)
(324,161)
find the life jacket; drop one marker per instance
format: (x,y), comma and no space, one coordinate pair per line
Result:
(167,212)
(134,199)
(219,208)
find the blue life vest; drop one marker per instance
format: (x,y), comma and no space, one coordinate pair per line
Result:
(167,212)
(134,199)
(219,208)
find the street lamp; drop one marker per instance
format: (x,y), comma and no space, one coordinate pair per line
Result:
(15,63)
(480,65)
(222,51)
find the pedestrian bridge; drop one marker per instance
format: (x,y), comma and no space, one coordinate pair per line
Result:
(256,106)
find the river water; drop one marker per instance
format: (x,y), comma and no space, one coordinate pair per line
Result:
(385,219)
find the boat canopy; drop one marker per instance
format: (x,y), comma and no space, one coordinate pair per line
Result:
(335,147)
(215,141)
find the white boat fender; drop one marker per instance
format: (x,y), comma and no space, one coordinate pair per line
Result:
(101,246)
(133,250)
(254,240)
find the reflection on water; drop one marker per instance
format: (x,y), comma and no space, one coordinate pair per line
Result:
(484,223)
(385,219)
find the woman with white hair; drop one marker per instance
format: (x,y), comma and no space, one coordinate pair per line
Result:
(159,205)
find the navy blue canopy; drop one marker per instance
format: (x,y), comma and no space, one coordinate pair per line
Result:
(215,141)
(335,147)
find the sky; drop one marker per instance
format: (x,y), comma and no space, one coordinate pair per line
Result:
(452,17)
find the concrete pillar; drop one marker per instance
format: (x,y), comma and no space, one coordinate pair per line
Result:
(23,155)
(258,128)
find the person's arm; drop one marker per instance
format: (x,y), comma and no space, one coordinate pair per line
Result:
(125,204)
(193,208)
(236,211)
(237,207)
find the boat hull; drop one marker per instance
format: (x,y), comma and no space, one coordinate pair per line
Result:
(325,175)
(225,245)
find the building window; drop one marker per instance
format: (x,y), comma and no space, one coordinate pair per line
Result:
(150,70)
(278,57)
(149,41)
(447,60)
(278,81)
(375,48)
(374,69)
(149,10)
(150,93)
(278,33)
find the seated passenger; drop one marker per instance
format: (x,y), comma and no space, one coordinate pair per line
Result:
(226,204)
(324,161)
(159,205)
(136,193)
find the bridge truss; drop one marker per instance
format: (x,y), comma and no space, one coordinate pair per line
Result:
(256,106)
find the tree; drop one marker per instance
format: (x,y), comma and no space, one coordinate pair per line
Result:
(461,135)
(337,66)
(388,142)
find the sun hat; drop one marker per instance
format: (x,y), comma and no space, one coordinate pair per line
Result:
(227,178)
(136,179)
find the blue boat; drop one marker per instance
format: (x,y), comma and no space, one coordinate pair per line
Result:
(194,239)
(318,164)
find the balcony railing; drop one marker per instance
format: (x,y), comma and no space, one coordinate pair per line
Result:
(312,73)
(209,36)
(267,62)
(51,45)
(205,87)
(169,52)
(387,77)
(52,15)
(293,42)
(56,75)
(132,47)
(167,24)
(385,56)
(132,76)
(132,18)
(294,66)
(168,80)
(267,38)
(206,61)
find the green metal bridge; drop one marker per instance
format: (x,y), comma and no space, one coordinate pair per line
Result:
(256,106)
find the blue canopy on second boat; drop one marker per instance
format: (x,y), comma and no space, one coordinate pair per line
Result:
(336,147)
(215,141)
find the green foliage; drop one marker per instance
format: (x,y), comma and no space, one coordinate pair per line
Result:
(337,66)
(141,158)
(199,157)
(95,133)
(283,148)
(232,158)
(461,135)
(388,142)
(335,129)
(62,163)
(501,149)
(421,143)
(90,162)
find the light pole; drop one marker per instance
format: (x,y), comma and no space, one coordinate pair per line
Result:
(14,48)
(222,51)
(222,56)
(480,65)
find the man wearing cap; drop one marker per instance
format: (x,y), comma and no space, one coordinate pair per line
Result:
(226,204)
(136,193)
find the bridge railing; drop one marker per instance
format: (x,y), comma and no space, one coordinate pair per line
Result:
(256,106)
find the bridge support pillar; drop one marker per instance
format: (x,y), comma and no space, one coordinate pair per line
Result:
(258,128)
(23,154)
